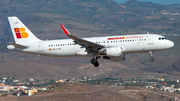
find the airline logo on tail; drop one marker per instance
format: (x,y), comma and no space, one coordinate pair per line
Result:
(20,33)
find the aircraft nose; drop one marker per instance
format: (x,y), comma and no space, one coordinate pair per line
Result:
(171,44)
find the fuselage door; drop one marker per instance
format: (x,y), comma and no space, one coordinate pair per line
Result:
(150,40)
(40,47)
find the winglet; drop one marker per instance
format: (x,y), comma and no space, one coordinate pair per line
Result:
(65,30)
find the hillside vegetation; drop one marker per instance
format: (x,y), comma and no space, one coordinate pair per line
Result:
(84,92)
(87,18)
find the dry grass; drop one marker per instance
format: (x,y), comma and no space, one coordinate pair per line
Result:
(82,92)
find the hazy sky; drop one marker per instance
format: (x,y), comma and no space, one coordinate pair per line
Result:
(163,2)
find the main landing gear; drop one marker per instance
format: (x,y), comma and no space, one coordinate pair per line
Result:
(95,62)
(151,59)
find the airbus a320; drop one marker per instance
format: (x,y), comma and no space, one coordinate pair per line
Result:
(111,48)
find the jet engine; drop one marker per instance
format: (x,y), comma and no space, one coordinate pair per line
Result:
(112,51)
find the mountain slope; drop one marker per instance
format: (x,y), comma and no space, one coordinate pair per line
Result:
(96,16)
(80,92)
(84,19)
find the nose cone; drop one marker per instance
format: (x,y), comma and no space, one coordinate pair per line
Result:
(170,44)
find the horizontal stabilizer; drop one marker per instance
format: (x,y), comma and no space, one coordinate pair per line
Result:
(17,45)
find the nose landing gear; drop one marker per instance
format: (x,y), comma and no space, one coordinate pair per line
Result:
(151,59)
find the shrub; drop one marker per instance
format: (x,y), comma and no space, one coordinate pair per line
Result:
(4,95)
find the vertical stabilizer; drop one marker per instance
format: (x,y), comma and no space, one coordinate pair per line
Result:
(20,32)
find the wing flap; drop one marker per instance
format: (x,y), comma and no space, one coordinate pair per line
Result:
(84,43)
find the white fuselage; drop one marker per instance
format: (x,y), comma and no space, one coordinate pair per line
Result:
(66,47)
(112,48)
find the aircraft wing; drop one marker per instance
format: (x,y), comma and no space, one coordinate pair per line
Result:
(17,45)
(90,46)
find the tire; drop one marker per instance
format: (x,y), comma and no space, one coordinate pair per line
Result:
(93,61)
(151,59)
(96,64)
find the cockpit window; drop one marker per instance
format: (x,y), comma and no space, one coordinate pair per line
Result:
(162,38)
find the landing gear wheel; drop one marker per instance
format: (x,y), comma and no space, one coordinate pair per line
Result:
(151,59)
(96,64)
(93,61)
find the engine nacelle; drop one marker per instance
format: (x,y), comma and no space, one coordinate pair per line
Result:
(116,58)
(112,51)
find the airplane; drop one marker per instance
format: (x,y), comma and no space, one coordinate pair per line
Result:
(111,48)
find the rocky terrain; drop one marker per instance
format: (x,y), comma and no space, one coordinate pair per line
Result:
(85,92)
